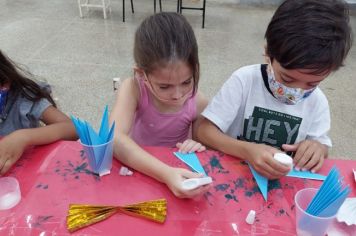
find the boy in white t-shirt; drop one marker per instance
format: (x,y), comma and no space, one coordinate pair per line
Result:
(264,108)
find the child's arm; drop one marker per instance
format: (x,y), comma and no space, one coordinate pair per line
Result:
(190,145)
(129,153)
(260,156)
(58,126)
(132,155)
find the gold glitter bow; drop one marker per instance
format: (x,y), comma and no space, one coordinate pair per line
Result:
(80,216)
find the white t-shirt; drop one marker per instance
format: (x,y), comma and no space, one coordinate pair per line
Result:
(246,110)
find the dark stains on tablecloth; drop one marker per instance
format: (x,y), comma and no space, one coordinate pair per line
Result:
(250,192)
(274,184)
(229,192)
(82,154)
(221,187)
(215,166)
(69,169)
(230,197)
(208,195)
(42,186)
(40,220)
(239,183)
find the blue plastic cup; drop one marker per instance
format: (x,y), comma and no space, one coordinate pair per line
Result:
(100,157)
(307,224)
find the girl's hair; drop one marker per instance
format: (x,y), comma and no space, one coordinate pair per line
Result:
(165,38)
(20,82)
(310,34)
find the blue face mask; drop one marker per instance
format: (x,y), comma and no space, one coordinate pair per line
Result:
(3,101)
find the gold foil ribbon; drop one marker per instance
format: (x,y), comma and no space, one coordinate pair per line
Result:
(80,216)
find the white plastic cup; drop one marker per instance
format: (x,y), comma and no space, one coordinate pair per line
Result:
(96,152)
(10,194)
(307,224)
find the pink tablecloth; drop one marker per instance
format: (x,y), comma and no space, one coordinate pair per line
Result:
(51,177)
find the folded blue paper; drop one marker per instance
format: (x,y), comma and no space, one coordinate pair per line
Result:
(95,142)
(330,196)
(191,160)
(305,175)
(262,182)
(89,136)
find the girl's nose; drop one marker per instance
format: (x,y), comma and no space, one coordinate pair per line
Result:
(178,93)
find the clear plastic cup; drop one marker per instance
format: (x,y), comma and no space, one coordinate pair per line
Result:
(306,224)
(10,194)
(100,157)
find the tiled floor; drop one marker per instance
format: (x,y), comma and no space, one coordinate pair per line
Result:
(80,56)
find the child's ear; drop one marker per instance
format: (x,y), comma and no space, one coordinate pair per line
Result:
(265,54)
(140,72)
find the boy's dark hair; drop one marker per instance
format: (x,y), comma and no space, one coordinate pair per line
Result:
(310,34)
(20,82)
(164,38)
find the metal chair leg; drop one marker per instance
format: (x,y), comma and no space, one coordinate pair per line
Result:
(203,24)
(123,10)
(180,7)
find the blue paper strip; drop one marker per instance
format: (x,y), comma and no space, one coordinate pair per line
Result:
(330,196)
(111,132)
(305,175)
(104,127)
(95,139)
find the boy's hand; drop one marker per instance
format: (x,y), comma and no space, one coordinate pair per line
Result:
(189,146)
(174,182)
(309,154)
(260,156)
(11,149)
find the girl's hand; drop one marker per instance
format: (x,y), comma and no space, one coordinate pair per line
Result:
(11,148)
(309,154)
(260,156)
(174,182)
(189,146)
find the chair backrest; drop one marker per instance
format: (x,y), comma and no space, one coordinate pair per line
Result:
(116,83)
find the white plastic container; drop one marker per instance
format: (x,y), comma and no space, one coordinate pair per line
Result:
(10,194)
(284,159)
(193,183)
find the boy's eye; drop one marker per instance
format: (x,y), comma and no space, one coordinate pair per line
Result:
(286,80)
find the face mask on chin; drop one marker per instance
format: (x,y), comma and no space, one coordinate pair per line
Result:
(285,94)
